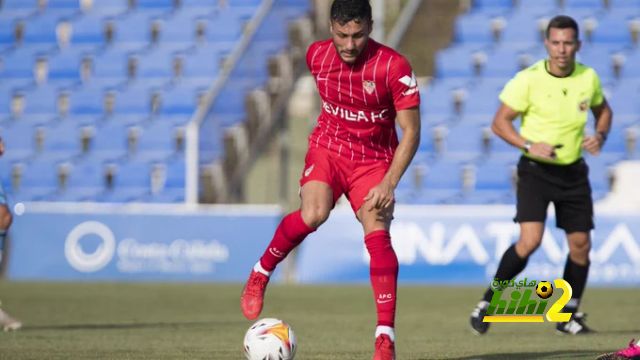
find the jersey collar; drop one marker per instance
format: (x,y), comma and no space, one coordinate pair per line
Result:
(546,69)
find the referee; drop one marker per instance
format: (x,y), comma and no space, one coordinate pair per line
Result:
(553,97)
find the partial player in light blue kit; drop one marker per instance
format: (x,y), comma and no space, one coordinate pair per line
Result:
(6,322)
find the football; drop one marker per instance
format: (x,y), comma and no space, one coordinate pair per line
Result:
(544,289)
(270,339)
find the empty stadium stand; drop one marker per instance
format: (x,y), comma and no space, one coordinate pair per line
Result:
(460,161)
(95,95)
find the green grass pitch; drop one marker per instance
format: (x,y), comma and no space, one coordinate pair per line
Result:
(84,321)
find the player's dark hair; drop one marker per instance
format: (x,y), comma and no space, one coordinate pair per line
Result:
(563,22)
(344,11)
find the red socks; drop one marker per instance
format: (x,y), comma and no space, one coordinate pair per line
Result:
(289,234)
(384,275)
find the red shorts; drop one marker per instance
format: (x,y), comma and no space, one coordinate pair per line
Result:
(353,179)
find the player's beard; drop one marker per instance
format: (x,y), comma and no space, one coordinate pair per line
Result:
(356,55)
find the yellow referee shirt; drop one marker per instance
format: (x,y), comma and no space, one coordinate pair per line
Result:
(554,110)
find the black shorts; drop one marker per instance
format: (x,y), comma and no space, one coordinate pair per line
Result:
(567,186)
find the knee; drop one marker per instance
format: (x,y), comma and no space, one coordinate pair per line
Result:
(315,215)
(580,245)
(5,218)
(526,246)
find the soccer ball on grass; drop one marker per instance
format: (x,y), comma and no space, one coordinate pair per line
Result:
(270,339)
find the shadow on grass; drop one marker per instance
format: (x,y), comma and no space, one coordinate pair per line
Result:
(559,354)
(167,325)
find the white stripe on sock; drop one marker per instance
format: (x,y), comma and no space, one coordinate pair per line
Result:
(258,268)
(573,303)
(387,330)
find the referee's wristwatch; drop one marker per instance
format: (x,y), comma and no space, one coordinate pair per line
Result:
(527,146)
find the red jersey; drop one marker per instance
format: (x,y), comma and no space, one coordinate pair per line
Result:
(360,101)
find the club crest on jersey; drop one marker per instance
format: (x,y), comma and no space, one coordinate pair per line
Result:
(584,105)
(369,86)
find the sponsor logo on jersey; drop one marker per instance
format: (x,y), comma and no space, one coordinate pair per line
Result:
(369,116)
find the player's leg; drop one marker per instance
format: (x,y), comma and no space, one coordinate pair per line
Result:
(317,199)
(532,204)
(6,321)
(574,214)
(384,262)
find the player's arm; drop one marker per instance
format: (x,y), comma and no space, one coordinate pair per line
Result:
(604,115)
(503,127)
(409,122)
(382,195)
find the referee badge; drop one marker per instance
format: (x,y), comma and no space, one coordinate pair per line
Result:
(369,86)
(584,105)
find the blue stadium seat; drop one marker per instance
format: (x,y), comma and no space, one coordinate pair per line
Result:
(175,175)
(42,100)
(253,63)
(162,4)
(477,27)
(495,175)
(232,100)
(135,99)
(623,99)
(457,61)
(491,4)
(465,138)
(206,61)
(113,63)
(40,174)
(136,27)
(612,30)
(438,97)
(176,195)
(631,67)
(42,28)
(66,64)
(590,4)
(484,97)
(19,138)
(63,4)
(524,5)
(159,137)
(624,4)
(89,29)
(20,63)
(87,174)
(430,197)
(599,167)
(182,25)
(445,173)
(62,138)
(123,195)
(7,30)
(181,100)
(227,25)
(133,175)
(20,4)
(522,26)
(110,7)
(89,99)
(159,62)
(506,60)
(110,141)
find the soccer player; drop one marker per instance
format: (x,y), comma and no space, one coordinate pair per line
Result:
(630,353)
(354,150)
(553,97)
(6,321)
